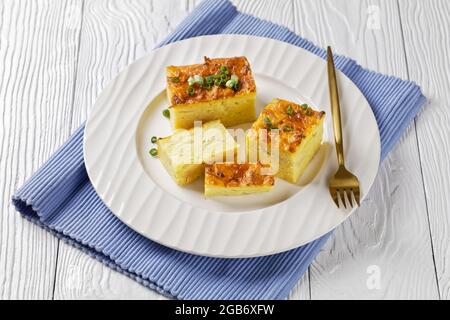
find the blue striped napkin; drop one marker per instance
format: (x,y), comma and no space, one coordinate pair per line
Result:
(60,198)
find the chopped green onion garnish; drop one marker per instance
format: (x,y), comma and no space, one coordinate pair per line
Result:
(198,79)
(287,128)
(230,84)
(166,113)
(309,112)
(190,91)
(218,79)
(304,106)
(154,139)
(290,110)
(153,152)
(191,81)
(267,122)
(209,79)
(174,79)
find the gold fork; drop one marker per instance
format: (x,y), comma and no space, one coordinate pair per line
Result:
(343,184)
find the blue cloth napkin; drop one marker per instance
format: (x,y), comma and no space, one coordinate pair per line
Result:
(60,198)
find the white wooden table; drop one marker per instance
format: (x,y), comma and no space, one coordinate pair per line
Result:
(56,56)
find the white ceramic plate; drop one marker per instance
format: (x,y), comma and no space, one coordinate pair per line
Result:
(140,192)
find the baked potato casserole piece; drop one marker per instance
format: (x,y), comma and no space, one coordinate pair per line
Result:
(221,88)
(230,179)
(184,153)
(300,130)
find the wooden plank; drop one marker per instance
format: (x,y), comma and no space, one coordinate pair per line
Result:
(427,42)
(279,11)
(388,236)
(116,33)
(38,51)
(81,277)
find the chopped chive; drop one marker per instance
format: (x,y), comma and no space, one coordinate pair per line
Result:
(190,91)
(198,79)
(174,79)
(166,113)
(267,122)
(209,80)
(220,79)
(290,110)
(230,84)
(304,106)
(154,139)
(153,152)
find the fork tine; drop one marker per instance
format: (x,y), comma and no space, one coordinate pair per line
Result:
(351,197)
(334,196)
(349,194)
(339,198)
(356,194)
(342,196)
(348,198)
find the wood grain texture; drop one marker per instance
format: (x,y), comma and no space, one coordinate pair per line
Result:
(389,233)
(38,49)
(279,11)
(426,30)
(116,33)
(80,276)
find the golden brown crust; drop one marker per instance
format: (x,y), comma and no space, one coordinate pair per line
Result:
(177,80)
(294,122)
(236,175)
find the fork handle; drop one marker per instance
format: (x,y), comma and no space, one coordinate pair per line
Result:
(335,107)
